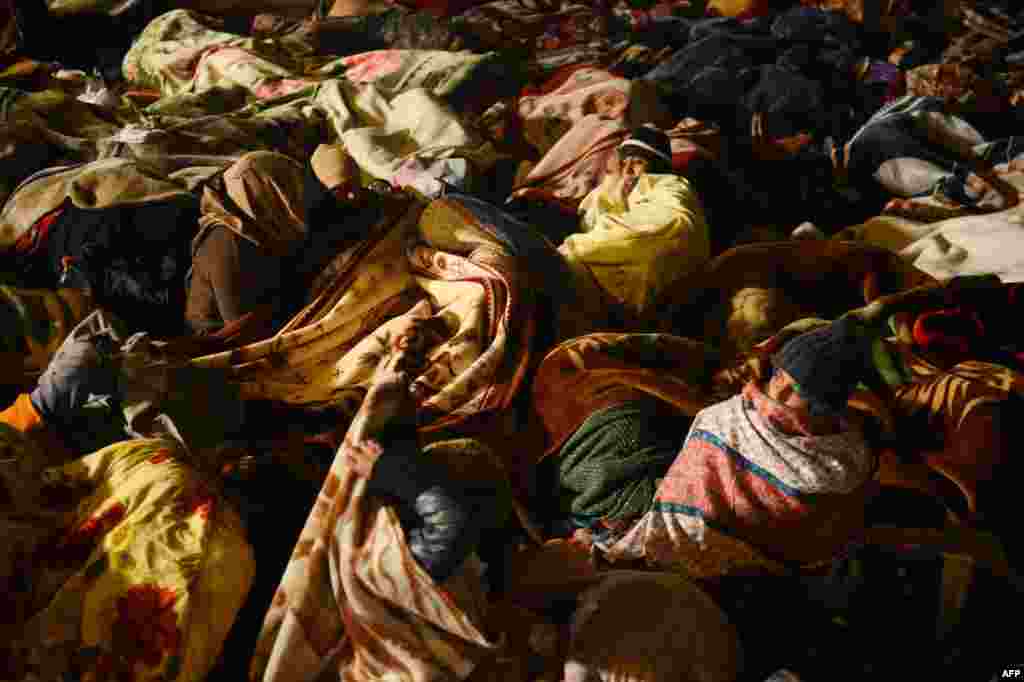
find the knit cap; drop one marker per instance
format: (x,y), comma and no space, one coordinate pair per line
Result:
(827,363)
(649,142)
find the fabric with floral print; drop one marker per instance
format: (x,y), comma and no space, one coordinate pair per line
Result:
(185,52)
(576,163)
(124,564)
(957,411)
(576,92)
(454,269)
(395,71)
(354,604)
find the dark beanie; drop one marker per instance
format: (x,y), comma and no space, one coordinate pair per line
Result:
(649,142)
(827,363)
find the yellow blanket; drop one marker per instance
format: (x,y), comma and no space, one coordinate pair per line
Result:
(635,248)
(124,564)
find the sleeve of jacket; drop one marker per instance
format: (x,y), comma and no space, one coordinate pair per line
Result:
(443,521)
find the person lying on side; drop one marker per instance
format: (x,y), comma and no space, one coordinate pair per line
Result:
(641,229)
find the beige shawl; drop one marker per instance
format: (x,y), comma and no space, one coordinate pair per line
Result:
(259,198)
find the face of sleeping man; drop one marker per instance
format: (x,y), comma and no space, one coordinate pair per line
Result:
(631,168)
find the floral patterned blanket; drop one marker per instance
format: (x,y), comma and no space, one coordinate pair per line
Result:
(111,564)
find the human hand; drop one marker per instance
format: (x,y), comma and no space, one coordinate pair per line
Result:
(361,455)
(389,401)
(406,346)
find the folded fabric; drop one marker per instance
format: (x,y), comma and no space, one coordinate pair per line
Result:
(396,71)
(609,469)
(575,165)
(415,128)
(575,92)
(971,245)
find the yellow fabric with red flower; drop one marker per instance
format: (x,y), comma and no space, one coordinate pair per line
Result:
(124,564)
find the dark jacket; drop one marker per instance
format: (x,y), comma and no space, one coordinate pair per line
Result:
(443,520)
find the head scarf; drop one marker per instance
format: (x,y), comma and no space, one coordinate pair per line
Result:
(259,198)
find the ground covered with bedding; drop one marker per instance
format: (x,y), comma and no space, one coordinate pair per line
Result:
(305,299)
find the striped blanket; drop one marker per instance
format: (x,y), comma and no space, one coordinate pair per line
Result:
(752,489)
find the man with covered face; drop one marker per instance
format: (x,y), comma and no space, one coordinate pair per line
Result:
(642,228)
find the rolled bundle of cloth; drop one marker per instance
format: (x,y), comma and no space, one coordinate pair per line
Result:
(125,562)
